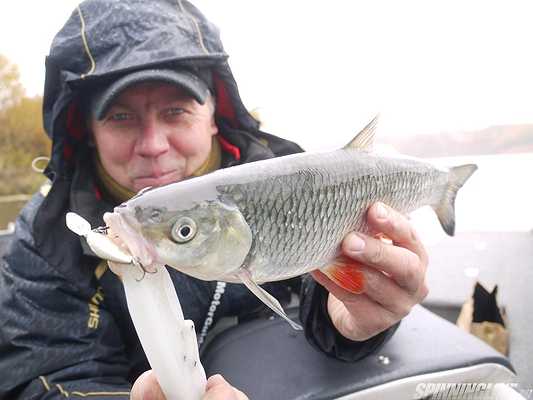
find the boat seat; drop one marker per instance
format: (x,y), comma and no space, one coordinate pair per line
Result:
(267,359)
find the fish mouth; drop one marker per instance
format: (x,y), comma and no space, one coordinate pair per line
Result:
(125,230)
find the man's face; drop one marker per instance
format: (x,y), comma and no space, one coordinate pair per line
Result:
(152,135)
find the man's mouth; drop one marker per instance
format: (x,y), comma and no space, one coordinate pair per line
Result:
(156,179)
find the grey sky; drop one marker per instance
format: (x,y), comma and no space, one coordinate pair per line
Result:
(319,71)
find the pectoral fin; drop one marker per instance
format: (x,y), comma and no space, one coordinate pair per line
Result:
(345,272)
(265,297)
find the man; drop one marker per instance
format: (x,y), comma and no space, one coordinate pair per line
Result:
(140,94)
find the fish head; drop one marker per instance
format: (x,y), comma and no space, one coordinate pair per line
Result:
(206,238)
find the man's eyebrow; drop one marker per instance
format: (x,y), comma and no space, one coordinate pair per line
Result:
(118,104)
(181,99)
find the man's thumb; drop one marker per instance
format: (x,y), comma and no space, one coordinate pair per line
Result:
(146,387)
(218,388)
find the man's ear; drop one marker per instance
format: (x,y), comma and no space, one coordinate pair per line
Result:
(214,126)
(85,116)
(91,143)
(88,127)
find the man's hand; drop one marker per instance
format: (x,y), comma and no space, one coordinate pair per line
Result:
(394,276)
(146,387)
(219,389)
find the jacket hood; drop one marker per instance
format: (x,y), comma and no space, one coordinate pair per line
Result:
(105,39)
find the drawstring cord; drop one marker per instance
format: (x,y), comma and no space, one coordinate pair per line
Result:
(36,161)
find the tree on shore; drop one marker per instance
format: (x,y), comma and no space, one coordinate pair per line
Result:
(22,137)
(11,90)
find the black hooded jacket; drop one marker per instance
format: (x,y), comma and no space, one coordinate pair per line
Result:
(66,330)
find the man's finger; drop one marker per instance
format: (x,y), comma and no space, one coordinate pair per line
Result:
(404,266)
(146,387)
(386,292)
(215,380)
(217,388)
(378,287)
(397,227)
(371,318)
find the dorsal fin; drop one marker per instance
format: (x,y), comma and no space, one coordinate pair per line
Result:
(364,140)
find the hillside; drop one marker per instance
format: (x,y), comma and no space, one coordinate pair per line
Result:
(493,140)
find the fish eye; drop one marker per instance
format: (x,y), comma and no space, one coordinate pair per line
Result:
(183,230)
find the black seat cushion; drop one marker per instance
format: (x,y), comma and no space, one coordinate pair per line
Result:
(267,359)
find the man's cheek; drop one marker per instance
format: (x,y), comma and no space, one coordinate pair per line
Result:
(122,152)
(187,145)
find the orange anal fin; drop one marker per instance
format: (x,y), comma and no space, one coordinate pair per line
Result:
(346,273)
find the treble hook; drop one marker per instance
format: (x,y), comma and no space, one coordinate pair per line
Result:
(101,229)
(143,269)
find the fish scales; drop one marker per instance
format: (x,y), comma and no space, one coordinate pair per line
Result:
(298,218)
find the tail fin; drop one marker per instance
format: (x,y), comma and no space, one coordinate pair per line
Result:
(445,209)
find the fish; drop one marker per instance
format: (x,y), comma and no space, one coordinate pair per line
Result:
(279,218)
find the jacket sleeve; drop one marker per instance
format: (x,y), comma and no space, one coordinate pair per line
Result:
(49,349)
(322,334)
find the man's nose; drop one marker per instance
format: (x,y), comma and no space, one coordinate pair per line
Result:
(153,140)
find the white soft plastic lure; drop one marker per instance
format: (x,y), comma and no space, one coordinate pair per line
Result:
(168,340)
(100,244)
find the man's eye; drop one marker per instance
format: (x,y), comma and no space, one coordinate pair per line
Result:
(174,111)
(121,116)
